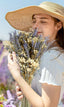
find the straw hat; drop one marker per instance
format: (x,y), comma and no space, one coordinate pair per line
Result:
(22,19)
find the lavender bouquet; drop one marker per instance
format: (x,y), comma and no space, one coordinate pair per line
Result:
(29,47)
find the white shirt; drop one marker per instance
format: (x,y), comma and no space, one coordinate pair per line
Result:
(51,71)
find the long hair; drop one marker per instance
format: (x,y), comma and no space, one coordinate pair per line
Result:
(60,35)
(60,38)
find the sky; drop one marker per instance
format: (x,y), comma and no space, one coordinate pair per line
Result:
(11,5)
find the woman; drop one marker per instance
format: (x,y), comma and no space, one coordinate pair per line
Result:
(47,84)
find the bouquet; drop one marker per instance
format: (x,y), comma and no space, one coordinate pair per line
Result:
(28,46)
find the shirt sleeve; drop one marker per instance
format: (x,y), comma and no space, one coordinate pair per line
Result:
(52,68)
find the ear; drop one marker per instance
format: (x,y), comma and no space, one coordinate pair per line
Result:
(59,25)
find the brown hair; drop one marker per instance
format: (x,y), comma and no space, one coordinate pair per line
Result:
(60,35)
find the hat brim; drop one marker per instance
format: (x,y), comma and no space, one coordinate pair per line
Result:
(22,19)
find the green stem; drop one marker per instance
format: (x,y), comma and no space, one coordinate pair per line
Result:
(24,102)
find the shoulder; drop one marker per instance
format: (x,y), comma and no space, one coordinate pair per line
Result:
(53,61)
(53,54)
(52,66)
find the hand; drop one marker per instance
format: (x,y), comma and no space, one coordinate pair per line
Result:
(13,65)
(18,92)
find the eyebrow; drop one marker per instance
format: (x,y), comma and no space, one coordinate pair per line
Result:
(40,18)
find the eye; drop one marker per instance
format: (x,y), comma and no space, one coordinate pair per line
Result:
(43,22)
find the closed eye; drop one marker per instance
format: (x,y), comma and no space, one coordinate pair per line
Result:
(43,22)
(34,21)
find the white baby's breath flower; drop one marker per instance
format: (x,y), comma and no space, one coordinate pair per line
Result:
(35,51)
(22,59)
(35,39)
(29,69)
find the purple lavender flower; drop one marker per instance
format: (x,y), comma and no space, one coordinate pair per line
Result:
(9,95)
(11,38)
(26,48)
(10,101)
(8,106)
(32,43)
(1,50)
(3,70)
(35,33)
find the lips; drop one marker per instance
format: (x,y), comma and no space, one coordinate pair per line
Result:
(39,33)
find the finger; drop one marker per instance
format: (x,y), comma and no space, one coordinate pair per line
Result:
(16,84)
(18,88)
(14,57)
(20,97)
(9,58)
(19,93)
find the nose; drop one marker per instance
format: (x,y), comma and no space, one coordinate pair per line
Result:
(35,25)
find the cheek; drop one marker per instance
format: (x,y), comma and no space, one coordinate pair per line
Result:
(47,31)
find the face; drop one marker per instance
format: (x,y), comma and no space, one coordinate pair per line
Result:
(45,26)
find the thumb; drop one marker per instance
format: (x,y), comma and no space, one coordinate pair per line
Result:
(14,57)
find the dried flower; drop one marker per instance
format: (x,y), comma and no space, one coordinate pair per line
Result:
(28,47)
